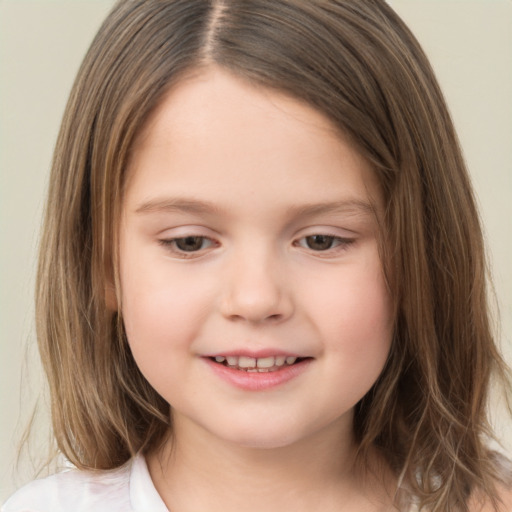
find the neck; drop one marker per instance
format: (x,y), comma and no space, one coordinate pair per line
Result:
(197,471)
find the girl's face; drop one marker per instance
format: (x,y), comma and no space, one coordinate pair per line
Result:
(252,290)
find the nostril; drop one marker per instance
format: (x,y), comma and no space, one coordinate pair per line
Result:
(255,296)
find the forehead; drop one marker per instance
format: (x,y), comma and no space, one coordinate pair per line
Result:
(218,134)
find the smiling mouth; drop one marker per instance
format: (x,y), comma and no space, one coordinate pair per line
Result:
(258,365)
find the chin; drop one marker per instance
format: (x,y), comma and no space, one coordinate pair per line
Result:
(264,438)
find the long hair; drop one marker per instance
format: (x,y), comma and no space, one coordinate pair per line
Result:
(356,62)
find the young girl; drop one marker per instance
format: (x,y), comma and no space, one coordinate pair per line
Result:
(262,280)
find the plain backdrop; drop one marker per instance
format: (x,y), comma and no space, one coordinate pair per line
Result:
(42,43)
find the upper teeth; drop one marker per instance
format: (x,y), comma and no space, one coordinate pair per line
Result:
(253,362)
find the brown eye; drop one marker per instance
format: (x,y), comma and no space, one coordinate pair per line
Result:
(193,246)
(190,243)
(319,242)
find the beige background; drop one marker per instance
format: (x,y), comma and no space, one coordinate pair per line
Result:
(41,45)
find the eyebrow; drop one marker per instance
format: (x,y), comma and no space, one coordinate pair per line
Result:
(188,205)
(170,205)
(349,206)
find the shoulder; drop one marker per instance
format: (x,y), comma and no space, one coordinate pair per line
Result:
(75,490)
(505,497)
(504,503)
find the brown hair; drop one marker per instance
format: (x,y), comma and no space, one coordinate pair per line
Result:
(355,61)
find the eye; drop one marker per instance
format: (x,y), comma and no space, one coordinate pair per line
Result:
(191,243)
(188,244)
(320,243)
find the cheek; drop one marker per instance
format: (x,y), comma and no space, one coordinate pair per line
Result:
(161,322)
(355,315)
(161,309)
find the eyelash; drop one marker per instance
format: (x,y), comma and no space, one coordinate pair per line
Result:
(171,245)
(340,244)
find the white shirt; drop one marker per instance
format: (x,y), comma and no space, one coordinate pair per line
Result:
(127,489)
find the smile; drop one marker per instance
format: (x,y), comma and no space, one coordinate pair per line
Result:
(251,373)
(257,365)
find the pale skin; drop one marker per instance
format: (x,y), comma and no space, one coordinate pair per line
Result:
(250,226)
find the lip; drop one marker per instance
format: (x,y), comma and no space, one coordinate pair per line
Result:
(256,354)
(255,381)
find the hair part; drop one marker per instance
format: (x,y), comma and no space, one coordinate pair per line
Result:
(357,63)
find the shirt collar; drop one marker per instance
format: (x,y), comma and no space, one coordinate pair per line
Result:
(143,495)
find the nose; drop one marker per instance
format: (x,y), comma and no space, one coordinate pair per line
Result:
(256,291)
